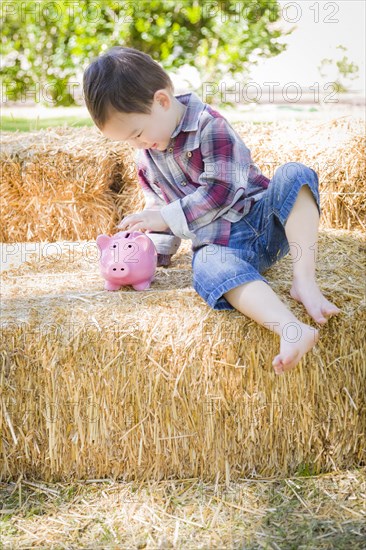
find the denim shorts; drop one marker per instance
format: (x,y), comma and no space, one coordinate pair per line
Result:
(256,242)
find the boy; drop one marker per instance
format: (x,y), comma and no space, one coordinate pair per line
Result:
(201,184)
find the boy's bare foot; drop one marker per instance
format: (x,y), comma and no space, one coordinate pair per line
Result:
(296,339)
(308,293)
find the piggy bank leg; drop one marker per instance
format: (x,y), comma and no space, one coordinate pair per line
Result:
(110,286)
(142,286)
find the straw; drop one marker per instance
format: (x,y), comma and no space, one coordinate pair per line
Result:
(155,384)
(73,183)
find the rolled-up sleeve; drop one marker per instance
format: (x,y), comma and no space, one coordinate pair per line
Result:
(173,216)
(224,180)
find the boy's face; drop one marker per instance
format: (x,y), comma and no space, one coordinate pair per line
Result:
(142,131)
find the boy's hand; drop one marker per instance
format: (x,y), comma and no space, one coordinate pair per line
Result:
(147,220)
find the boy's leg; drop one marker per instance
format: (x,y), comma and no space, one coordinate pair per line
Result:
(301,231)
(257,300)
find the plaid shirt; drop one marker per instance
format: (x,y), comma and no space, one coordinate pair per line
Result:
(202,182)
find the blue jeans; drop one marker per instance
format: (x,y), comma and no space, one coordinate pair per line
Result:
(256,242)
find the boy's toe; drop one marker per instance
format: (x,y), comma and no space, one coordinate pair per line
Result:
(321,319)
(276,361)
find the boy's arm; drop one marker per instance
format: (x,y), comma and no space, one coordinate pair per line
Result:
(227,162)
(166,243)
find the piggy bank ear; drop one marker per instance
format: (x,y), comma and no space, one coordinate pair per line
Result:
(103,241)
(142,243)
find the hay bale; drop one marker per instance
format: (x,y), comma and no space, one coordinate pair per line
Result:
(335,149)
(64,183)
(155,384)
(72,183)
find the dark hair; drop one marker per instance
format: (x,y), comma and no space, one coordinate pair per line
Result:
(124,79)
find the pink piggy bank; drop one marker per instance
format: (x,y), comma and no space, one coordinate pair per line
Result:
(127,258)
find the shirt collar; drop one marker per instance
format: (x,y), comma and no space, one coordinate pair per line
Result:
(190,119)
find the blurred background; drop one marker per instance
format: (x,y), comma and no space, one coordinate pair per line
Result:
(255,60)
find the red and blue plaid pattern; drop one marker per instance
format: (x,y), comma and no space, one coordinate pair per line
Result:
(203,181)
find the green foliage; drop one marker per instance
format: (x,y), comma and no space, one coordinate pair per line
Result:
(45,46)
(346,70)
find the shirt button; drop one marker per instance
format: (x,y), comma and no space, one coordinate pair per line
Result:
(184,183)
(170,149)
(189,154)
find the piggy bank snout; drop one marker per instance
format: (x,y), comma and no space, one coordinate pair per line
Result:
(119,269)
(115,266)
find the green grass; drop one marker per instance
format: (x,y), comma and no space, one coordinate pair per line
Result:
(11,124)
(306,470)
(322,512)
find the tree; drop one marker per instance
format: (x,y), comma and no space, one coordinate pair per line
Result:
(346,70)
(45,45)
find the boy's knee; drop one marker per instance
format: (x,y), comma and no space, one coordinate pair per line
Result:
(291,171)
